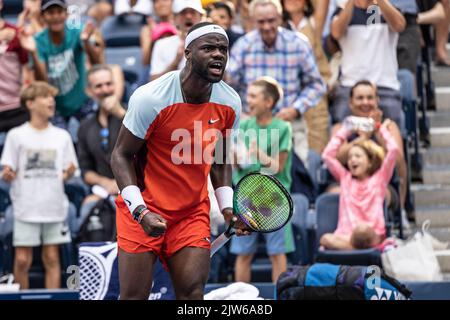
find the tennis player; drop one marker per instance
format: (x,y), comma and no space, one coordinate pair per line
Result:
(163,210)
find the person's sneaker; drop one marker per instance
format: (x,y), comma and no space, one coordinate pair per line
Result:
(405,222)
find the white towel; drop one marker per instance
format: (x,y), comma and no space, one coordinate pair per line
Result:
(235,291)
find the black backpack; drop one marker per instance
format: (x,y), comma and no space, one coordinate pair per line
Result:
(100,224)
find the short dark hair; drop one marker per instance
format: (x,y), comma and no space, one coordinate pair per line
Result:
(363,83)
(96,68)
(221,5)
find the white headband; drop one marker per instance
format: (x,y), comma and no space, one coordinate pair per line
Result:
(197,33)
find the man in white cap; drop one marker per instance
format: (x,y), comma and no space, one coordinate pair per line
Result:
(165,57)
(163,207)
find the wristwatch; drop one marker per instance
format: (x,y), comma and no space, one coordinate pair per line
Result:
(137,212)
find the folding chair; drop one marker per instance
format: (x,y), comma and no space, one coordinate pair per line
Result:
(123,30)
(327,208)
(129,59)
(299,221)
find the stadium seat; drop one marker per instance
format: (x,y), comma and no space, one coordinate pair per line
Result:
(129,59)
(12,7)
(327,208)
(36,272)
(5,201)
(6,225)
(2,144)
(76,191)
(425,85)
(123,30)
(68,254)
(410,105)
(300,230)
(261,269)
(261,265)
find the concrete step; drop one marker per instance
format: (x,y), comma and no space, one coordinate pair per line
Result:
(440,137)
(436,156)
(439,174)
(443,98)
(442,234)
(439,215)
(431,195)
(443,257)
(439,119)
(440,76)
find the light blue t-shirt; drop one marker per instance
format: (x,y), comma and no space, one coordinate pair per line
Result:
(405,6)
(65,68)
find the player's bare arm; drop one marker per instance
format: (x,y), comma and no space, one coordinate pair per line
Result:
(127,146)
(221,173)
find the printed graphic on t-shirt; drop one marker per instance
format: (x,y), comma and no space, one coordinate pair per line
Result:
(40,164)
(63,72)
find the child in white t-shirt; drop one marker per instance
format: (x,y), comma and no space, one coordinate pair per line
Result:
(37,159)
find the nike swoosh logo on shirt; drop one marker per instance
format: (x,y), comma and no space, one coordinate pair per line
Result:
(211,121)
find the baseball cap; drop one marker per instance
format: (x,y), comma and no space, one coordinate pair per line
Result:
(47,3)
(163,28)
(180,5)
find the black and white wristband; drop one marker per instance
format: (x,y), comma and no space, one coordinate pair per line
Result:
(132,197)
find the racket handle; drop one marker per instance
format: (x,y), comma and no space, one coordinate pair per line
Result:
(219,243)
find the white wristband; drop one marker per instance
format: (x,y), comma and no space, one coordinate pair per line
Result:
(224,196)
(132,197)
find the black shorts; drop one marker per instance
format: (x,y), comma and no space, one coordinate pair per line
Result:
(408,47)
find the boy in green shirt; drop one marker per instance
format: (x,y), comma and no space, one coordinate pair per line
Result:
(58,57)
(268,141)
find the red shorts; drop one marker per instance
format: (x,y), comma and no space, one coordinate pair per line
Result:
(184,229)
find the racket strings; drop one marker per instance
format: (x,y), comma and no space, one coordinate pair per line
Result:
(261,203)
(90,278)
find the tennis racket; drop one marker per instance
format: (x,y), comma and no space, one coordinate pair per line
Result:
(261,202)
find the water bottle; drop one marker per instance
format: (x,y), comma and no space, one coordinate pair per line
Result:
(95,229)
(359,123)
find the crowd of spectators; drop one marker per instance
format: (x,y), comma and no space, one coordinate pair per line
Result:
(300,66)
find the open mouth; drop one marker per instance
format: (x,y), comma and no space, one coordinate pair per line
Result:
(216,68)
(366,109)
(57,24)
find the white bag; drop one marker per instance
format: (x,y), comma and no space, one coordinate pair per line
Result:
(415,260)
